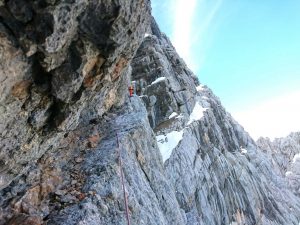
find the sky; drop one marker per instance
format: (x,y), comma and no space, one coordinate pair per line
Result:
(246,51)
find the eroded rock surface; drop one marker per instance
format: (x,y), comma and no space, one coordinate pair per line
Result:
(65,69)
(284,153)
(62,63)
(219,174)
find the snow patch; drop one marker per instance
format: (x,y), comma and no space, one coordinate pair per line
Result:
(296,157)
(288,173)
(197,113)
(180,116)
(201,87)
(173,115)
(146,35)
(166,143)
(158,80)
(244,151)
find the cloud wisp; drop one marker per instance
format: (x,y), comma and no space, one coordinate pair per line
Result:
(182,27)
(191,23)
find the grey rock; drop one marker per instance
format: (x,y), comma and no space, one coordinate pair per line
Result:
(66,82)
(284,154)
(65,25)
(46,55)
(161,73)
(65,69)
(20,9)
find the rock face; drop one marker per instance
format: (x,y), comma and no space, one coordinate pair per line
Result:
(68,129)
(284,154)
(62,63)
(57,71)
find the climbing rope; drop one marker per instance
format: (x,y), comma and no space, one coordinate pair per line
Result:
(122,181)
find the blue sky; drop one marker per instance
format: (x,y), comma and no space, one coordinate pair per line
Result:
(247,51)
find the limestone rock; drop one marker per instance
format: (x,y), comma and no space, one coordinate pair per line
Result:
(48,56)
(68,128)
(284,154)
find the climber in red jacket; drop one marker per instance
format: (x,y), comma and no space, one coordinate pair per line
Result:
(131,90)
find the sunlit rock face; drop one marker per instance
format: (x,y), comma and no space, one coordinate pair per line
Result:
(285,156)
(68,127)
(218,173)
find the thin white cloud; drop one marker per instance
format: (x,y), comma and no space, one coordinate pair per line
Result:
(274,118)
(207,19)
(182,27)
(192,21)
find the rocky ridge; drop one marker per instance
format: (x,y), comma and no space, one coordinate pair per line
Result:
(65,68)
(284,153)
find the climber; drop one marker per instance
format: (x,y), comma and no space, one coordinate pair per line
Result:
(131,90)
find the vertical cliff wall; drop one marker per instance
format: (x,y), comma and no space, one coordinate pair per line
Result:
(65,68)
(219,174)
(62,63)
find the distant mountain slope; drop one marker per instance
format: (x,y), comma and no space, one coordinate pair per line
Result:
(285,156)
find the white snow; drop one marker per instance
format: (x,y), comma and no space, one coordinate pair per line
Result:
(168,142)
(197,113)
(158,80)
(180,116)
(173,115)
(147,35)
(296,157)
(288,173)
(244,151)
(200,87)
